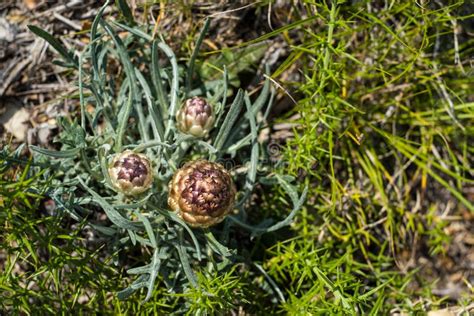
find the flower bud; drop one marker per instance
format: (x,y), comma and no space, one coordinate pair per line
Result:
(202,193)
(195,117)
(131,173)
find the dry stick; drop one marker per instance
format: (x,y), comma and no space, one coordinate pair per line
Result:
(445,95)
(269,16)
(38,91)
(233,10)
(440,87)
(281,87)
(62,7)
(14,73)
(158,19)
(67,21)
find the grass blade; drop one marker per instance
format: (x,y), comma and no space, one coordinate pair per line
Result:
(114,216)
(56,44)
(229,121)
(67,153)
(192,61)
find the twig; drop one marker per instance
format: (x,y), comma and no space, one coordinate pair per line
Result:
(66,21)
(281,87)
(13,74)
(233,10)
(61,8)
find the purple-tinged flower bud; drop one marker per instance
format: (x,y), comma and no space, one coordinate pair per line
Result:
(195,117)
(131,173)
(202,193)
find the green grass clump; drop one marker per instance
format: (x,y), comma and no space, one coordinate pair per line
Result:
(383,134)
(51,263)
(46,265)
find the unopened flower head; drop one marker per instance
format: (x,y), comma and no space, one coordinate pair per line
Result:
(195,117)
(131,173)
(202,193)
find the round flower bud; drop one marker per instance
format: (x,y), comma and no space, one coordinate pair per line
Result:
(131,173)
(195,117)
(202,193)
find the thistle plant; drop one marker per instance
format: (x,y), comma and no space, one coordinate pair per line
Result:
(202,193)
(127,157)
(130,173)
(196,117)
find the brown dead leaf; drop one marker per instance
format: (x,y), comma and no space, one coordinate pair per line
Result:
(15,120)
